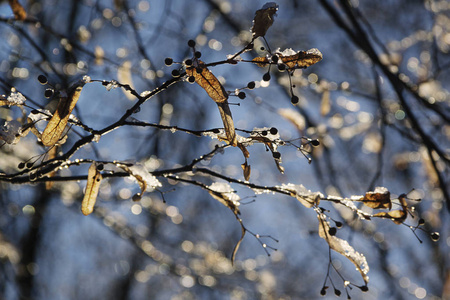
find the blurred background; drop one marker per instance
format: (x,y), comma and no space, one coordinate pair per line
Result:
(378,102)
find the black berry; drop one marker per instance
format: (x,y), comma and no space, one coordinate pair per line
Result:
(168,61)
(273,130)
(332,231)
(241,95)
(276,155)
(251,85)
(294,100)
(175,73)
(191,43)
(266,77)
(315,143)
(42,79)
(48,93)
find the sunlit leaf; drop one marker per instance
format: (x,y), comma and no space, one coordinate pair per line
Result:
(92,187)
(247,170)
(397,216)
(206,79)
(301,59)
(55,127)
(227,119)
(379,198)
(263,19)
(343,247)
(18,10)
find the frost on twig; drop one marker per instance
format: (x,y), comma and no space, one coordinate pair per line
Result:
(302,194)
(144,178)
(223,193)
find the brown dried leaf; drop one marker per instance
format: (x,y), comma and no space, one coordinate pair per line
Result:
(379,198)
(206,79)
(247,170)
(343,247)
(264,19)
(227,119)
(55,127)
(18,10)
(92,187)
(261,61)
(302,59)
(397,216)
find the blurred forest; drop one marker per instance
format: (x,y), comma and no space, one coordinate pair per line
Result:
(337,163)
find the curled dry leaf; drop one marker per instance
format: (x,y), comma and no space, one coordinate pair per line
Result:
(18,10)
(301,59)
(206,79)
(223,193)
(379,198)
(263,19)
(397,216)
(247,170)
(92,187)
(343,247)
(55,127)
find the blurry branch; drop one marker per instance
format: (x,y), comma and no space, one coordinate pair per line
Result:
(357,34)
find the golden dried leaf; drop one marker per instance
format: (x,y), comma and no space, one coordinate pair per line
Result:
(244,150)
(261,61)
(247,170)
(379,198)
(397,216)
(264,19)
(92,187)
(302,59)
(206,79)
(18,10)
(55,127)
(227,119)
